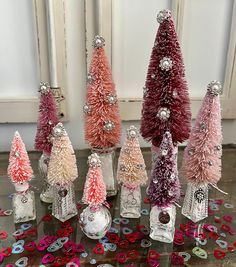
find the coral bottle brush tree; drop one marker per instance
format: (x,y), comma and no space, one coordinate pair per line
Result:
(131,174)
(166,104)
(47,120)
(202,156)
(102,119)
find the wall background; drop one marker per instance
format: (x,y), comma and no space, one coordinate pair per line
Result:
(76,71)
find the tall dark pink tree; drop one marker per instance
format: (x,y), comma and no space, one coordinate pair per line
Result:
(47,120)
(166,104)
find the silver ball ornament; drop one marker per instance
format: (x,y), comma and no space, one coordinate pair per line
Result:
(44,87)
(163,114)
(132,132)
(98,41)
(111,99)
(163,14)
(109,126)
(98,227)
(166,64)
(59,130)
(94,160)
(86,108)
(214,88)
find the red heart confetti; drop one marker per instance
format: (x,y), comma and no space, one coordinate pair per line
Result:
(213,235)
(47,218)
(6,252)
(113,238)
(219,254)
(152,254)
(123,244)
(98,249)
(3,235)
(225,227)
(121,257)
(152,263)
(231,249)
(132,254)
(176,259)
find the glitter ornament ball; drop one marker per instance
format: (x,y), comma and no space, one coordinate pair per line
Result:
(98,41)
(95,222)
(163,114)
(214,88)
(166,64)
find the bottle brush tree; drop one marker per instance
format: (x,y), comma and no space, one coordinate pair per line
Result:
(166,104)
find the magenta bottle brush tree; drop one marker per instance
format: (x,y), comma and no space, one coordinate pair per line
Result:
(47,120)
(202,156)
(95,220)
(164,192)
(20,173)
(102,119)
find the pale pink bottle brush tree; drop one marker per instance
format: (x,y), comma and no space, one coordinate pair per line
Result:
(202,157)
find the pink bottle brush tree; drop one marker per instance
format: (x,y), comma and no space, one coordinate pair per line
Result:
(95,188)
(102,120)
(166,104)
(47,120)
(19,169)
(20,173)
(202,156)
(95,219)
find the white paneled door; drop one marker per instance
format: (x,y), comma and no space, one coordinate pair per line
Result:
(207,32)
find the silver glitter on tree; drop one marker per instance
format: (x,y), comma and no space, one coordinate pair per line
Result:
(44,87)
(132,132)
(98,41)
(145,91)
(214,88)
(111,99)
(94,160)
(109,126)
(163,14)
(59,130)
(166,64)
(90,78)
(163,114)
(86,108)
